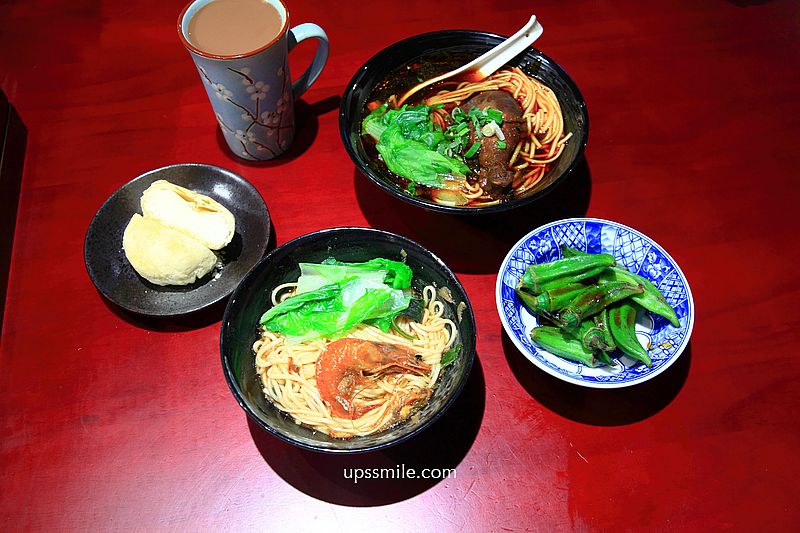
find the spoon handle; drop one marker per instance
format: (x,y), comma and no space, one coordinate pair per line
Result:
(491,61)
(485,65)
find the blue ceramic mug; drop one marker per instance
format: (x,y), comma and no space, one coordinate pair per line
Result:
(251,93)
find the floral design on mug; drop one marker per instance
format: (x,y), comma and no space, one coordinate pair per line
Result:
(271,123)
(220,91)
(258,90)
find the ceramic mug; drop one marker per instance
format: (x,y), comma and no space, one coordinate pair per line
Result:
(252,94)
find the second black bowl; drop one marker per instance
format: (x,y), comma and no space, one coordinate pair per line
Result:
(252,298)
(468,44)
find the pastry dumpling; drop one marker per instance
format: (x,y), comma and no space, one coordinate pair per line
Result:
(164,255)
(195,214)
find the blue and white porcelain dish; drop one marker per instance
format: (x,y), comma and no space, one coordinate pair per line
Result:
(633,250)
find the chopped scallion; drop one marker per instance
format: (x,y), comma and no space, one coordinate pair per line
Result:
(397,329)
(495,115)
(473,150)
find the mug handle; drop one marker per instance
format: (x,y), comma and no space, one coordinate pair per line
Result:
(298,34)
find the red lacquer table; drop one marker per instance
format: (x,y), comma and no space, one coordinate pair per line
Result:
(111,422)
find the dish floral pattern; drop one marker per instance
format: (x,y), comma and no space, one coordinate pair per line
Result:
(260,116)
(634,251)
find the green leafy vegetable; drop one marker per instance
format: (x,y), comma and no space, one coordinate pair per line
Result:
(398,274)
(334,309)
(374,292)
(413,160)
(450,355)
(416,148)
(374,124)
(409,141)
(413,122)
(313,276)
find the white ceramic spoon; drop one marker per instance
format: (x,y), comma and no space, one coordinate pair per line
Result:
(484,66)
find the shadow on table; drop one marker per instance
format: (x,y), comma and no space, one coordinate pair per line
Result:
(599,407)
(748,3)
(330,477)
(189,321)
(474,244)
(170,324)
(306,120)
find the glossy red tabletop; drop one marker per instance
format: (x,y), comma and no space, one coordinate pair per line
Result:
(112,422)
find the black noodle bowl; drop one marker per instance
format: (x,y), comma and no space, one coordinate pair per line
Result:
(431,48)
(253,296)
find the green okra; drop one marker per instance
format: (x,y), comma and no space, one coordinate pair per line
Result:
(537,275)
(530,301)
(593,299)
(590,335)
(559,343)
(572,278)
(622,323)
(604,358)
(601,320)
(566,251)
(651,298)
(554,299)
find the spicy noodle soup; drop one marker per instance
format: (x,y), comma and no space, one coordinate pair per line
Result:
(462,143)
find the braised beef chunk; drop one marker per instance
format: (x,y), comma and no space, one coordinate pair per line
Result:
(494,175)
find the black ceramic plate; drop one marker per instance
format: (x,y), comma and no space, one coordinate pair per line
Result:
(469,45)
(116,279)
(252,298)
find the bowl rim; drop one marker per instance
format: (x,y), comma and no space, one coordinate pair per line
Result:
(238,395)
(595,385)
(378,58)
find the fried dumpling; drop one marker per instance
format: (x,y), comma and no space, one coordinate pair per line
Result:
(195,214)
(164,255)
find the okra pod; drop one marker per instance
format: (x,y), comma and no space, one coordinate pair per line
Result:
(537,275)
(566,251)
(572,278)
(559,343)
(592,300)
(622,322)
(530,301)
(601,320)
(554,299)
(590,335)
(604,358)
(651,298)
